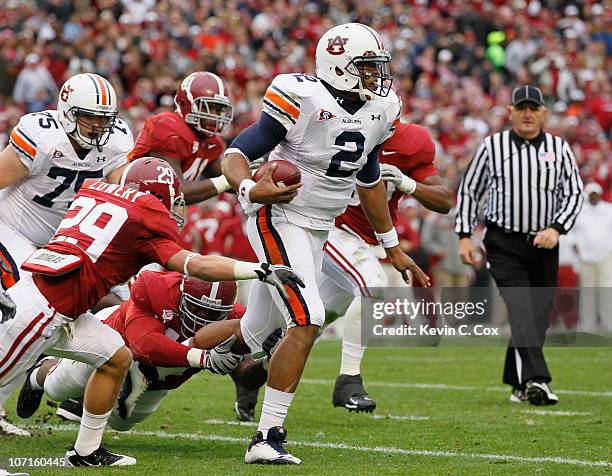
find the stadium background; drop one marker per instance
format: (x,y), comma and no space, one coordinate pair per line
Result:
(454,65)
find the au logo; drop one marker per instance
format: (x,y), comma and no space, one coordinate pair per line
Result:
(335,46)
(65,94)
(325,115)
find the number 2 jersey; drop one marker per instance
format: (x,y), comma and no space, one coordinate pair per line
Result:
(329,144)
(36,205)
(115,231)
(412,151)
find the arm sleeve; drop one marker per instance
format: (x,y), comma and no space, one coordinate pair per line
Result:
(369,175)
(569,193)
(259,138)
(146,339)
(160,242)
(23,140)
(471,191)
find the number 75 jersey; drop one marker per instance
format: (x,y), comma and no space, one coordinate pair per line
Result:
(328,144)
(36,205)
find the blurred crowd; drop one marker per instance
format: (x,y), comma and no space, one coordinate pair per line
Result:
(454,63)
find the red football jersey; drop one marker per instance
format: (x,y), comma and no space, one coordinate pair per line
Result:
(150,325)
(412,151)
(115,230)
(169,135)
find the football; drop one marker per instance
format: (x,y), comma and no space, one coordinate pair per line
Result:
(285,172)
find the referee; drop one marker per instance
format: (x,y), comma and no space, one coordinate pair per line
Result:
(534,195)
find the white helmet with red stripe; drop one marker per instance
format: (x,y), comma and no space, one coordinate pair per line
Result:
(87,107)
(352,57)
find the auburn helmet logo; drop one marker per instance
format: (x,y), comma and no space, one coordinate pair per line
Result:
(65,93)
(335,46)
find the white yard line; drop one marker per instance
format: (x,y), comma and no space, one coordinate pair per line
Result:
(444,386)
(400,417)
(363,449)
(556,412)
(215,421)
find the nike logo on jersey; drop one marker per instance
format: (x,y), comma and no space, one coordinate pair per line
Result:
(387,152)
(211,146)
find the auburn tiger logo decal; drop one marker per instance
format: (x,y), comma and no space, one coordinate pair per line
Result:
(335,46)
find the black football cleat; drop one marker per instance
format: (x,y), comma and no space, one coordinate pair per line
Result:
(350,394)
(518,395)
(100,457)
(29,399)
(539,393)
(71,409)
(246,400)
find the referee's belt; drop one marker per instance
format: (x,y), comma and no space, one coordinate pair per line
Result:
(517,234)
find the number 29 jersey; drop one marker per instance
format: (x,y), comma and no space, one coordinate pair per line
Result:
(36,205)
(327,143)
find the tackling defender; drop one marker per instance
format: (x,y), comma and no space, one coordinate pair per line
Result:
(48,157)
(131,224)
(166,317)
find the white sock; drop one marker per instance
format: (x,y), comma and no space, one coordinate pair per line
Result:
(90,432)
(352,350)
(33,382)
(274,409)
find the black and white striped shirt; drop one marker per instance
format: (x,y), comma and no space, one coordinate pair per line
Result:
(532,184)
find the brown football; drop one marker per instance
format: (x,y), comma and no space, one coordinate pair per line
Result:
(285,172)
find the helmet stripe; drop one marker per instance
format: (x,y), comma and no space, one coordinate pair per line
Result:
(90,76)
(376,36)
(108,88)
(214,290)
(219,84)
(102,88)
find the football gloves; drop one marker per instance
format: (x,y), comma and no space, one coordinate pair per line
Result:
(7,306)
(390,173)
(221,360)
(278,275)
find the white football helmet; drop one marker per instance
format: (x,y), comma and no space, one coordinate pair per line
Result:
(91,95)
(352,57)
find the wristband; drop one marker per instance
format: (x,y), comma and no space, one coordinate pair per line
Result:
(388,239)
(245,270)
(244,189)
(221,184)
(195,357)
(189,257)
(408,185)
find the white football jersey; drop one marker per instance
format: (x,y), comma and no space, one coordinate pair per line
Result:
(36,205)
(327,143)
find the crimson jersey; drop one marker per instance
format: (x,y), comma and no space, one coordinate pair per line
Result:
(115,231)
(167,134)
(412,151)
(150,325)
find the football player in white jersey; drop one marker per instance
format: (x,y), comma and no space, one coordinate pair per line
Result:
(48,157)
(331,127)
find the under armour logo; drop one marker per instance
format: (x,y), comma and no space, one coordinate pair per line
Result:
(376,117)
(339,100)
(100,159)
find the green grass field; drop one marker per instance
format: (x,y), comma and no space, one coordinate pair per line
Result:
(440,411)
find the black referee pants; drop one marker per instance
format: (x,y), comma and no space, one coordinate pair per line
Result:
(526,277)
